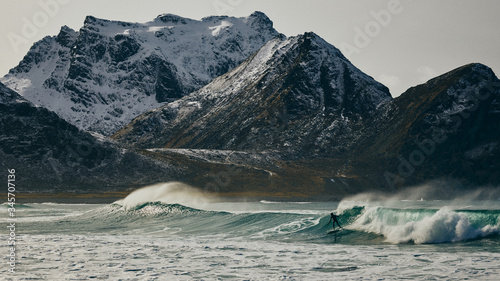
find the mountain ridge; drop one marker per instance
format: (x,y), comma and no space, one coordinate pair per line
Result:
(49,154)
(103,75)
(292,118)
(443,128)
(302,78)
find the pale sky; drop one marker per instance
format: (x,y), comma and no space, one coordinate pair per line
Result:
(400,43)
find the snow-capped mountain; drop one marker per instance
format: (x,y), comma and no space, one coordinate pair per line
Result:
(102,76)
(345,135)
(49,154)
(298,95)
(231,105)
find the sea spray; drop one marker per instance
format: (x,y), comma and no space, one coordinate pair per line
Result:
(167,193)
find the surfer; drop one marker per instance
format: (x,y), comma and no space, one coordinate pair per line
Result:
(334,219)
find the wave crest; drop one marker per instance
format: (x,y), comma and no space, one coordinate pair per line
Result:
(153,209)
(166,193)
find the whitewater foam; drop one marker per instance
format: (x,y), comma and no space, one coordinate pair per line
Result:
(421,226)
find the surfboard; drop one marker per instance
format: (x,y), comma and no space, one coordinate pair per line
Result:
(335,231)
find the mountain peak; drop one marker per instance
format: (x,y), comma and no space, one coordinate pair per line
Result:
(476,66)
(260,15)
(260,19)
(66,36)
(213,19)
(468,69)
(300,84)
(481,69)
(172,18)
(473,75)
(91,20)
(315,42)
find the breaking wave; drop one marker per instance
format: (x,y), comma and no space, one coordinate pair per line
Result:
(167,193)
(426,225)
(163,207)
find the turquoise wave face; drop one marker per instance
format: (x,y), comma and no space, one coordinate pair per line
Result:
(361,224)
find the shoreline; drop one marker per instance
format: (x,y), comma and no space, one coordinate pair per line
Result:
(112,196)
(71,198)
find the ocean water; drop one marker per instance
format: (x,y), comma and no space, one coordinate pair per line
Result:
(146,237)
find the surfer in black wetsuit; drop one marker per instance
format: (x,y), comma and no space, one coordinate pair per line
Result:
(334,219)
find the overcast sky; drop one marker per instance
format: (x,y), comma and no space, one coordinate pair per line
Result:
(400,43)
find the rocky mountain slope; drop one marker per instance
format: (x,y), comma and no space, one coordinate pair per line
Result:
(445,128)
(102,76)
(49,154)
(299,96)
